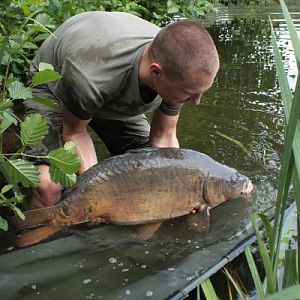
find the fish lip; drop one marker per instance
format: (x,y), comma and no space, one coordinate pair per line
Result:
(248,188)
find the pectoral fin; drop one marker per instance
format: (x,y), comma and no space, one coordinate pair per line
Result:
(33,218)
(200,221)
(146,231)
(34,236)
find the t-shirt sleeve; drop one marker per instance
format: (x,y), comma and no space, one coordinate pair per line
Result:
(170,111)
(77,92)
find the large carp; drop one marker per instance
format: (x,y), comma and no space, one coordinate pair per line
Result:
(139,187)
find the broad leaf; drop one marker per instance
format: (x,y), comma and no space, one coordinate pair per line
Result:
(44,66)
(23,172)
(46,101)
(3,224)
(70,147)
(64,160)
(10,117)
(4,125)
(17,90)
(64,179)
(44,77)
(33,130)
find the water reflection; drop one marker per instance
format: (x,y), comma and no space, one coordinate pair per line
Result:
(245,104)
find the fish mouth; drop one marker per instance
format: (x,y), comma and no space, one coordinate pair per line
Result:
(248,187)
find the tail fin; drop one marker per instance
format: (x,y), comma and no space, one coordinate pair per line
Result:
(34,236)
(33,218)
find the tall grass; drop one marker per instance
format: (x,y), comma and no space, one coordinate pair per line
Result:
(271,287)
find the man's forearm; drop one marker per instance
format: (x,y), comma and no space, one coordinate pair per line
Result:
(164,141)
(85,149)
(163,130)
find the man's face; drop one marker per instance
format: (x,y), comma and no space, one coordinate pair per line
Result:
(177,92)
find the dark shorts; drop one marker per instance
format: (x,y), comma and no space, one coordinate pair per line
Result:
(118,135)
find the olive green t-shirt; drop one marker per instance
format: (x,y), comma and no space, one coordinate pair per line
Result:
(98,55)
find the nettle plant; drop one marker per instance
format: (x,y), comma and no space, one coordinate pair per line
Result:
(15,169)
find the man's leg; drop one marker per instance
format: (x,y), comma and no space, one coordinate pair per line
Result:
(120,136)
(48,193)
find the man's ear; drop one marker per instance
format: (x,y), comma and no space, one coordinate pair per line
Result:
(155,69)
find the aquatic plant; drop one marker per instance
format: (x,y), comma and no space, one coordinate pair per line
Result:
(280,260)
(270,239)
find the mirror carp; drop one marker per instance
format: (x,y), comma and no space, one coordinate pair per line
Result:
(143,186)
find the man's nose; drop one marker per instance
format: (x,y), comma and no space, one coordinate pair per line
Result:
(196,99)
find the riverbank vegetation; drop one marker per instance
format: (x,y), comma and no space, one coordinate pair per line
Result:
(279,250)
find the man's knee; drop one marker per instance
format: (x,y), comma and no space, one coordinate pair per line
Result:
(48,193)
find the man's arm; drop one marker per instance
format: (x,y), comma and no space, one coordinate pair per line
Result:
(76,130)
(163,130)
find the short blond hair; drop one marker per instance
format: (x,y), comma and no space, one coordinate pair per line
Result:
(183,47)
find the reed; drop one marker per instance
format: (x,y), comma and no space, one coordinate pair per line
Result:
(269,239)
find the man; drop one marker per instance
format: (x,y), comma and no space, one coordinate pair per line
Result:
(115,67)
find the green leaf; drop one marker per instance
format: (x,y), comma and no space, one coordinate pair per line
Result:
(209,290)
(3,224)
(6,188)
(270,272)
(57,176)
(44,66)
(44,19)
(10,117)
(267,227)
(291,293)
(70,147)
(23,172)
(46,101)
(4,125)
(45,76)
(290,269)
(173,9)
(33,129)
(64,160)
(17,90)
(254,273)
(19,213)
(29,45)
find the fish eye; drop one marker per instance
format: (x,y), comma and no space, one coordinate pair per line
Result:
(232,181)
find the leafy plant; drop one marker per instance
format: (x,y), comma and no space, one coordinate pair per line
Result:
(23,27)
(15,169)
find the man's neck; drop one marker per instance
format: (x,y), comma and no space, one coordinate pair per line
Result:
(144,73)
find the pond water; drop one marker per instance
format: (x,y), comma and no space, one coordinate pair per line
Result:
(244,104)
